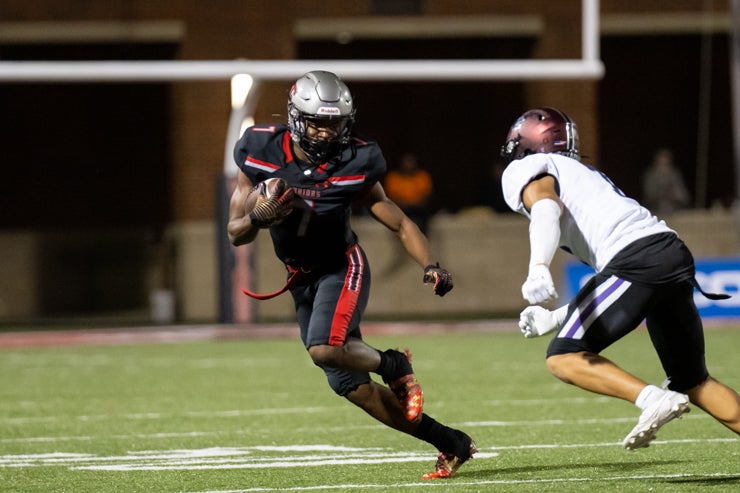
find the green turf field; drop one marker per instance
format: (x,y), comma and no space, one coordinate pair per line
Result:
(256,416)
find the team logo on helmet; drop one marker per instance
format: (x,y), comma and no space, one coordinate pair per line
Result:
(329,110)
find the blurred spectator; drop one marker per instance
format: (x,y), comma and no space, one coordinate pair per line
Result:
(410,187)
(491,193)
(663,187)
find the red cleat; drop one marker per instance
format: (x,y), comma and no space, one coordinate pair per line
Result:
(448,464)
(409,394)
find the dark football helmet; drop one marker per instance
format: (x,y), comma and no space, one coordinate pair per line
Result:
(541,130)
(320,99)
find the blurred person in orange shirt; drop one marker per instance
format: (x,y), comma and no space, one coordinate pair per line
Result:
(410,187)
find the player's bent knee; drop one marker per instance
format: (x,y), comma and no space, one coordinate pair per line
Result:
(323,355)
(560,366)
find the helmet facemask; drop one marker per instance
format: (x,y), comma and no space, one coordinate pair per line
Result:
(318,150)
(508,150)
(322,101)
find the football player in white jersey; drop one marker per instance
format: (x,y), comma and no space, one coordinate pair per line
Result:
(643,272)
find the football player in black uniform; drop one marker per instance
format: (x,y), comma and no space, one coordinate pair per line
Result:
(328,168)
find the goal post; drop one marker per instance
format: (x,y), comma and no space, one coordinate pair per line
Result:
(235,264)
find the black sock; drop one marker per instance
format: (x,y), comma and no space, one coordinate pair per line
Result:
(444,438)
(393,365)
(384,363)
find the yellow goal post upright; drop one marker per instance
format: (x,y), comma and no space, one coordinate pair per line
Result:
(245,76)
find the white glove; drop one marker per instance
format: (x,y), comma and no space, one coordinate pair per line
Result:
(539,287)
(535,321)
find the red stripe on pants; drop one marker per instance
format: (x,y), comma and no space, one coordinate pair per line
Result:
(348,297)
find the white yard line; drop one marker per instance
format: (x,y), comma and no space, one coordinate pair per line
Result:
(282,410)
(258,457)
(467,424)
(449,485)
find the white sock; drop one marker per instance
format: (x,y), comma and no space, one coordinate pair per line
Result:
(648,395)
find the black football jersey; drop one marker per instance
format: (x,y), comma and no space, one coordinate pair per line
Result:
(318,231)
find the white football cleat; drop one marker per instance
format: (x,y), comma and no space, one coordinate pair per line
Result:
(670,406)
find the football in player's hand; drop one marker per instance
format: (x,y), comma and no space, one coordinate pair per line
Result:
(263,191)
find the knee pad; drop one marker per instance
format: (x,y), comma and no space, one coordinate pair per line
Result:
(342,382)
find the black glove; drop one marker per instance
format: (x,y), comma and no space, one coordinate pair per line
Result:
(272,210)
(440,277)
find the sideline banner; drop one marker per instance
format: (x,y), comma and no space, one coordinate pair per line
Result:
(716,275)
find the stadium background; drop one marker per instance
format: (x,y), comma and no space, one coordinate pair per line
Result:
(110,190)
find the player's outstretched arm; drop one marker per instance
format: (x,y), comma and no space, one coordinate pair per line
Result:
(413,240)
(541,199)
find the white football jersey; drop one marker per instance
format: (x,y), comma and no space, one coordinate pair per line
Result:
(598,220)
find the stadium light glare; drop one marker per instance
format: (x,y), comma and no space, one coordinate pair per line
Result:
(241,84)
